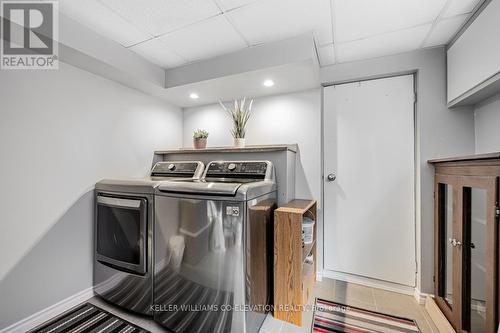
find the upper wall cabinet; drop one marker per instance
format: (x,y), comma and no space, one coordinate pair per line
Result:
(474,59)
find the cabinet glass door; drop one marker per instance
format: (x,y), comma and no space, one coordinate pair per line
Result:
(447,281)
(466,258)
(448,258)
(480,254)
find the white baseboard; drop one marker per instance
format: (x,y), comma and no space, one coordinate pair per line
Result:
(368,282)
(42,316)
(420,297)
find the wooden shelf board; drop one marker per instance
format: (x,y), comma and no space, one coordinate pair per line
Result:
(490,156)
(299,206)
(248,149)
(306,250)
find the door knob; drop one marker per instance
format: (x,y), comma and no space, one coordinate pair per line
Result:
(331,177)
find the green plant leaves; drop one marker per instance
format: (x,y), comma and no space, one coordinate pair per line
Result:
(240,116)
(200,134)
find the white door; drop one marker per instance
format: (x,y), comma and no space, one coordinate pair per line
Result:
(369,220)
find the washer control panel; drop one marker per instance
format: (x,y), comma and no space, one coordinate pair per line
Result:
(240,169)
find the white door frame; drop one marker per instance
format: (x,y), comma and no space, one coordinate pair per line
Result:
(369,282)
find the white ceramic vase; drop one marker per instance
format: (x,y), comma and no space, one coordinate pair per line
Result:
(239,142)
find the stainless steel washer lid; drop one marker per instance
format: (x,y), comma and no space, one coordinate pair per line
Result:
(240,180)
(200,188)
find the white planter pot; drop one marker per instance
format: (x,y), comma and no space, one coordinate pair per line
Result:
(239,142)
(200,143)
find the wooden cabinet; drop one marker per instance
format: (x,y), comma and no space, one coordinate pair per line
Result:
(294,276)
(466,241)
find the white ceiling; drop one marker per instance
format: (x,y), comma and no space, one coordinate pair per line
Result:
(171,33)
(287,78)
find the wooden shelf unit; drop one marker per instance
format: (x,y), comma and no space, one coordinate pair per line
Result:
(293,277)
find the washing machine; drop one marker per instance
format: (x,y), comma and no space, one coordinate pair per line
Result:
(214,249)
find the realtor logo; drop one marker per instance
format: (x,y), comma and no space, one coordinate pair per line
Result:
(29,35)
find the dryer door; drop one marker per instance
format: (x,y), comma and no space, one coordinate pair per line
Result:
(120,228)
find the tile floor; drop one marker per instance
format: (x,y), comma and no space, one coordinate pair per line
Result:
(359,296)
(333,290)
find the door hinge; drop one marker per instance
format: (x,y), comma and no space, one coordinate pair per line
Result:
(434,278)
(414,97)
(497,210)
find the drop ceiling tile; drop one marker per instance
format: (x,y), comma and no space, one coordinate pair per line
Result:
(326,55)
(102,20)
(272,20)
(445,30)
(158,53)
(382,45)
(161,16)
(356,19)
(458,7)
(203,40)
(232,4)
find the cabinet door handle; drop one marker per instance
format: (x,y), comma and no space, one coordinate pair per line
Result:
(454,242)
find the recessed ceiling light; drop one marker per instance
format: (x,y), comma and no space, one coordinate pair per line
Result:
(269,83)
(193,96)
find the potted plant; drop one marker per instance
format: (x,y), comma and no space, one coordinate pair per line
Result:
(239,114)
(200,139)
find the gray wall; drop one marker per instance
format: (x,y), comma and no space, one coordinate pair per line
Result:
(439,132)
(487,125)
(487,132)
(60,132)
(286,118)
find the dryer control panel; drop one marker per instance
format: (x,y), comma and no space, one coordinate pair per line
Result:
(177,169)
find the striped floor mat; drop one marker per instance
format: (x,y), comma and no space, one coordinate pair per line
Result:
(203,306)
(87,318)
(336,317)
